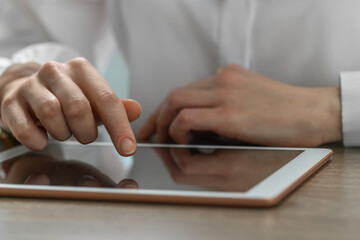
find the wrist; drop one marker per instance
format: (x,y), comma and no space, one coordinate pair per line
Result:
(330,115)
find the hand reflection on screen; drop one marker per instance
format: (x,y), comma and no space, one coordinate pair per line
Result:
(223,169)
(45,170)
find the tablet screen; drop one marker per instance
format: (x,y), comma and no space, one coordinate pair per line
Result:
(157,168)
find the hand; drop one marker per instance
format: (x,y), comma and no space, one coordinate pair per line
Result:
(223,169)
(64,99)
(246,106)
(44,170)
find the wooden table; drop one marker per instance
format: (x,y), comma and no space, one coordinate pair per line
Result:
(327,206)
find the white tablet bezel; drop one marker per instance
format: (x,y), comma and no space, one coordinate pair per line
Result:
(266,193)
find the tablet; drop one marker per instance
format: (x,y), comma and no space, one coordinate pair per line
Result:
(185,174)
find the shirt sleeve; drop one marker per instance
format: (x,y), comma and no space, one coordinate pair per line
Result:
(350,100)
(24,37)
(4,63)
(40,53)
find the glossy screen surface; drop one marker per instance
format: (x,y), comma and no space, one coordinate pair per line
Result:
(157,168)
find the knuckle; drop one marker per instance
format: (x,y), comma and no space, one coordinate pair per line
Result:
(184,117)
(51,70)
(173,98)
(77,108)
(108,96)
(227,79)
(89,137)
(62,136)
(8,100)
(27,85)
(22,132)
(47,109)
(79,62)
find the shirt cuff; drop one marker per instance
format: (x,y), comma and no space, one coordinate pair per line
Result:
(350,99)
(44,52)
(40,53)
(4,64)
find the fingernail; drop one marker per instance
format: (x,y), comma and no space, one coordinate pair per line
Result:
(128,183)
(127,146)
(88,181)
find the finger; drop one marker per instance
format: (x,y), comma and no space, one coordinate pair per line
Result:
(149,128)
(106,104)
(47,109)
(128,183)
(211,82)
(198,119)
(75,106)
(205,84)
(22,125)
(180,99)
(133,109)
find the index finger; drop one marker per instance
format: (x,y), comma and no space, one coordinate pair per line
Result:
(107,105)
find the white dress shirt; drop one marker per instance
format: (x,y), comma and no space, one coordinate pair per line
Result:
(170,43)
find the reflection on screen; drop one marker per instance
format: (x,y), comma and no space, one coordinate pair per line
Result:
(159,168)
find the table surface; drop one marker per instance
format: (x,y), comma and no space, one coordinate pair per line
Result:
(325,207)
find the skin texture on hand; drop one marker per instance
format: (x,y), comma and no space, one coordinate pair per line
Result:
(64,99)
(246,106)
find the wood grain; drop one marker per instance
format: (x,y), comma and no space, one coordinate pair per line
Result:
(324,207)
